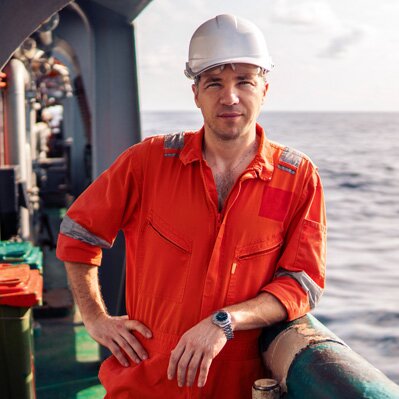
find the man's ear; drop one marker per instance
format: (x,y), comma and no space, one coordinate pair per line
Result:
(195,89)
(265,89)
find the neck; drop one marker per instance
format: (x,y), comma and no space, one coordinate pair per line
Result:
(226,154)
(228,160)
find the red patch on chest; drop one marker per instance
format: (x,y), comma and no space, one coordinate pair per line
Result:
(275,203)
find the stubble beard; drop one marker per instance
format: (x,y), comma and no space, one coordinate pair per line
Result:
(227,135)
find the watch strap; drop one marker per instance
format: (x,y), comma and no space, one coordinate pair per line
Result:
(228,331)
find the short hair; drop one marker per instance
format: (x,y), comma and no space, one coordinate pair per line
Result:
(262,73)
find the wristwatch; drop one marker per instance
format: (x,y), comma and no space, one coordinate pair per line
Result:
(222,319)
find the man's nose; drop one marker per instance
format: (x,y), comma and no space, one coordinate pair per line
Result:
(229,96)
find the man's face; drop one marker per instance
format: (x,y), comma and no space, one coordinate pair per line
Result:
(230,100)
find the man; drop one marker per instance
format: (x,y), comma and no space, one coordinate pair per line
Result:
(225,234)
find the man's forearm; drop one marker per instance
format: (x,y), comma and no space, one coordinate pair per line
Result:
(261,311)
(86,290)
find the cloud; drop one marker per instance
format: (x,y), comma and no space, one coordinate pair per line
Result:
(340,44)
(318,16)
(307,14)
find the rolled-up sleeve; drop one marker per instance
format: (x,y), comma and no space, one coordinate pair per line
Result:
(300,275)
(94,219)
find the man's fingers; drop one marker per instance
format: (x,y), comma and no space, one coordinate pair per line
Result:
(116,334)
(204,369)
(131,347)
(192,369)
(182,367)
(116,351)
(135,325)
(174,359)
(133,343)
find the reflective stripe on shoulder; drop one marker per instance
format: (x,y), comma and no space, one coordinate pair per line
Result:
(172,144)
(74,230)
(313,291)
(291,157)
(285,169)
(290,160)
(174,141)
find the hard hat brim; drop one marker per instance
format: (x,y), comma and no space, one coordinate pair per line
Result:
(191,73)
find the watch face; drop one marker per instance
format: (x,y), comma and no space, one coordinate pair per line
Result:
(221,316)
(223,320)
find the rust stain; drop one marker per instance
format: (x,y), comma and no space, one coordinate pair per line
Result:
(309,332)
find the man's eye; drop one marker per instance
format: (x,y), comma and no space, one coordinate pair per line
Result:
(212,85)
(246,83)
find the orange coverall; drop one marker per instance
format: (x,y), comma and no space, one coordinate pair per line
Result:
(185,259)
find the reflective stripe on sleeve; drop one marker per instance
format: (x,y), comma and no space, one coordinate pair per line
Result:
(313,291)
(74,230)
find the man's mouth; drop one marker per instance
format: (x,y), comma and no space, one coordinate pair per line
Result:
(229,115)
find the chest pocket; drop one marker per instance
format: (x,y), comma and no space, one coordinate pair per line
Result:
(253,267)
(163,261)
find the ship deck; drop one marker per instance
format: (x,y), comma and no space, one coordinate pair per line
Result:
(67,359)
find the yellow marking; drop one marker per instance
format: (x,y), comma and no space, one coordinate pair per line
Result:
(233,268)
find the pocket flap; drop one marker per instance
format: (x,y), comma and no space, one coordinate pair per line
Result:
(259,248)
(168,233)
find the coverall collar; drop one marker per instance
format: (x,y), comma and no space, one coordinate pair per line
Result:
(262,164)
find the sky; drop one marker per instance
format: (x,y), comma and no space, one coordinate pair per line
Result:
(340,55)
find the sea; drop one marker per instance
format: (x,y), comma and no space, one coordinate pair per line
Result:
(357,155)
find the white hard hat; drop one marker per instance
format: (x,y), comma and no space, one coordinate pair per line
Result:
(226,39)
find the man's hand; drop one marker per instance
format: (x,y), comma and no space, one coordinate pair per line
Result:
(115,333)
(195,352)
(2,82)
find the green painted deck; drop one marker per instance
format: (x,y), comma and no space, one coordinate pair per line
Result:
(67,359)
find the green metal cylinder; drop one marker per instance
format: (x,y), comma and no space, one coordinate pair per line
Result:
(309,361)
(330,370)
(16,353)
